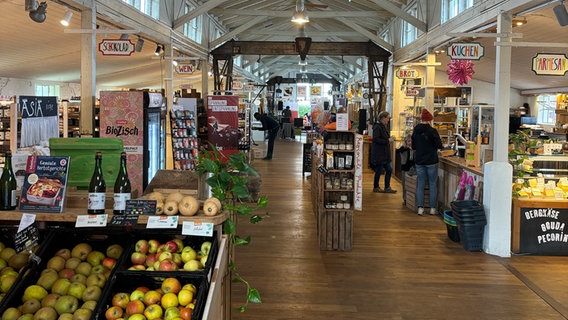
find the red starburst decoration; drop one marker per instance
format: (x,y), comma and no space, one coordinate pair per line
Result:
(460,71)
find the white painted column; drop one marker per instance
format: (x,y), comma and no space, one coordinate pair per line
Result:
(169,93)
(88,71)
(498,174)
(430,82)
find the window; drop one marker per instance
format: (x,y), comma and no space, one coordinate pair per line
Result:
(193,29)
(409,32)
(546,106)
(451,8)
(47,91)
(149,7)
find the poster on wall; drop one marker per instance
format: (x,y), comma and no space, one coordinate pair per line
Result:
(122,116)
(223,123)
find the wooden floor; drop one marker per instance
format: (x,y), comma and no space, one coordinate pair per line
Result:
(402,266)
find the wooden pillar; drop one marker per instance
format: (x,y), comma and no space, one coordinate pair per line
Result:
(88,72)
(169,94)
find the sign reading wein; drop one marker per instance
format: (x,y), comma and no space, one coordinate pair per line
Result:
(185,68)
(116,47)
(465,51)
(550,64)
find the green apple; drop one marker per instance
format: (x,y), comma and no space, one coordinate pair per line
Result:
(11,313)
(81,251)
(206,247)
(50,300)
(84,268)
(31,306)
(187,253)
(61,286)
(153,311)
(76,290)
(114,251)
(81,278)
(90,304)
(82,314)
(47,278)
(96,279)
(92,293)
(72,263)
(66,304)
(3,264)
(6,282)
(171,313)
(34,292)
(192,265)
(137,316)
(95,257)
(137,295)
(45,313)
(65,316)
(56,263)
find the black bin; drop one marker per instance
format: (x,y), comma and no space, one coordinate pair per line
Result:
(470,221)
(451,226)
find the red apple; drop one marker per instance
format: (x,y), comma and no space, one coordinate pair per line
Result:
(120,299)
(176,258)
(109,262)
(150,259)
(138,258)
(139,267)
(142,246)
(135,307)
(171,246)
(113,313)
(143,289)
(167,265)
(152,297)
(153,245)
(171,285)
(179,243)
(66,273)
(165,256)
(64,253)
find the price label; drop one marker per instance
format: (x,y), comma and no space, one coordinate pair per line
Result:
(162,222)
(141,207)
(124,220)
(28,234)
(91,220)
(191,228)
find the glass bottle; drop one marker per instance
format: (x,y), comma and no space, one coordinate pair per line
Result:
(97,188)
(122,188)
(8,185)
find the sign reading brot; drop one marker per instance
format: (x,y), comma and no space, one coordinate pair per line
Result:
(543,231)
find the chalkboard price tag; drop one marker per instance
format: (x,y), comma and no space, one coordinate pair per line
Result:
(126,220)
(147,207)
(26,238)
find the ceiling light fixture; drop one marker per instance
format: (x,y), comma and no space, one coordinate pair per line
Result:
(159,49)
(124,36)
(38,15)
(139,44)
(519,21)
(300,15)
(174,63)
(561,14)
(68,15)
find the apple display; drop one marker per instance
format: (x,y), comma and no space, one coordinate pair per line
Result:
(142,246)
(120,299)
(45,313)
(109,263)
(95,258)
(153,245)
(153,311)
(135,307)
(91,293)
(66,304)
(114,313)
(81,251)
(76,289)
(114,251)
(56,263)
(171,285)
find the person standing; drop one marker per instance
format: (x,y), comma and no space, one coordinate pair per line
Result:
(380,153)
(426,142)
(271,127)
(287,113)
(406,163)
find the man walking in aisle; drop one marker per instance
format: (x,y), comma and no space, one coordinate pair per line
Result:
(380,153)
(271,126)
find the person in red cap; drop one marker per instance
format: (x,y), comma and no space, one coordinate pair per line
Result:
(426,142)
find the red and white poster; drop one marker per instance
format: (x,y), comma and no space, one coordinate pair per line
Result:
(122,116)
(223,123)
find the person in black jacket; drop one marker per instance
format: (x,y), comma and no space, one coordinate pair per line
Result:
(380,153)
(426,142)
(406,163)
(271,126)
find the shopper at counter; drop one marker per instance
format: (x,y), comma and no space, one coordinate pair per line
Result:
(426,142)
(271,126)
(380,153)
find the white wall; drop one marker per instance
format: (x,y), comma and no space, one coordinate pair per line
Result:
(19,87)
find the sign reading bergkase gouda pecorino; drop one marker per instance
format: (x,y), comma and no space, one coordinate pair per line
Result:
(116,47)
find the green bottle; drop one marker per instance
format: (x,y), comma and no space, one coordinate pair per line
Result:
(97,188)
(122,188)
(8,185)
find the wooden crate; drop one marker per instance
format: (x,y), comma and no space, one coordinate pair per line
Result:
(335,230)
(411,200)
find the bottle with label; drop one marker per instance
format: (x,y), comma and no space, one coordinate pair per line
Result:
(97,188)
(122,188)
(8,199)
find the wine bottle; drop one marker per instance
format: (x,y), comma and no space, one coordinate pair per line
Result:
(97,188)
(8,185)
(122,188)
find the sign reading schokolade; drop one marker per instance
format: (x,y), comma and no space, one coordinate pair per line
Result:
(543,231)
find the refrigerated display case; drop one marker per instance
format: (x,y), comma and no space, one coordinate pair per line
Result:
(184,133)
(154,136)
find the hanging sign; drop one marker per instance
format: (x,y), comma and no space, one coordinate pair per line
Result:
(411,92)
(404,73)
(550,64)
(465,51)
(38,107)
(116,47)
(185,68)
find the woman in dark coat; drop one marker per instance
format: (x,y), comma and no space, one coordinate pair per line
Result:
(380,154)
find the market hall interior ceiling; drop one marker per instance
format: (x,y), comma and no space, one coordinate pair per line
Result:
(44,51)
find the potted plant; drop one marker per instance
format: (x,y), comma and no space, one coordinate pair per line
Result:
(519,158)
(234,181)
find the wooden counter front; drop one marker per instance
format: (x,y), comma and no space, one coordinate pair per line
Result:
(538,226)
(449,173)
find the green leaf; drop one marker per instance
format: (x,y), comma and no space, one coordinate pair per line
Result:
(255,219)
(237,280)
(229,227)
(262,202)
(240,241)
(243,209)
(253,296)
(240,191)
(242,308)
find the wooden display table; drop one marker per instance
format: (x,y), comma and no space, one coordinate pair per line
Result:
(539,227)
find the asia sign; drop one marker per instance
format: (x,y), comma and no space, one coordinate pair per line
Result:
(465,51)
(550,64)
(404,73)
(116,47)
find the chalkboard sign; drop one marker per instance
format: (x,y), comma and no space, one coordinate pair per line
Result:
(38,107)
(124,220)
(544,231)
(141,207)
(27,238)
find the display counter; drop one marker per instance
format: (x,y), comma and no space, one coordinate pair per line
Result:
(450,170)
(538,227)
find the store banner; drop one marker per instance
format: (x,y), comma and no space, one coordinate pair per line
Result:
(358,201)
(223,123)
(40,119)
(122,116)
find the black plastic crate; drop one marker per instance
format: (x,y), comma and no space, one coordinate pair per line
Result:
(164,236)
(451,226)
(471,238)
(471,221)
(128,281)
(59,239)
(466,206)
(7,237)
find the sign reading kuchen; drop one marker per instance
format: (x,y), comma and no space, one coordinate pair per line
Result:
(465,51)
(405,73)
(550,64)
(116,47)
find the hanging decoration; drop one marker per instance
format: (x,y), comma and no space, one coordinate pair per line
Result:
(460,71)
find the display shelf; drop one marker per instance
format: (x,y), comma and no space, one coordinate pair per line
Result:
(184,139)
(8,122)
(69,118)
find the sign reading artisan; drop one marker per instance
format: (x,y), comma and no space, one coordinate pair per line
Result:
(116,47)
(543,231)
(550,64)
(465,51)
